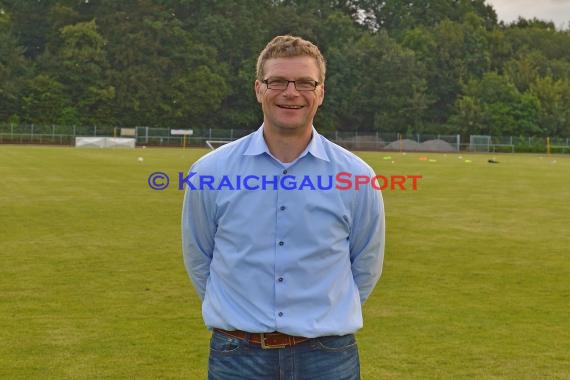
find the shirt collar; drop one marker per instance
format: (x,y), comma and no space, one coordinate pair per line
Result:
(258,146)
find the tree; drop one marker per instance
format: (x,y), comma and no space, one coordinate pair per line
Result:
(14,68)
(494,106)
(453,53)
(43,100)
(395,16)
(418,66)
(31,27)
(468,117)
(153,62)
(228,29)
(84,72)
(526,69)
(375,84)
(554,97)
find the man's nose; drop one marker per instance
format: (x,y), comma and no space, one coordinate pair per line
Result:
(291,89)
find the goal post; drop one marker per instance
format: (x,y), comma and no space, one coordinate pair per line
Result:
(104,142)
(185,133)
(213,144)
(479,143)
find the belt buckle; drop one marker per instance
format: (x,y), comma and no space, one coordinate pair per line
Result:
(266,346)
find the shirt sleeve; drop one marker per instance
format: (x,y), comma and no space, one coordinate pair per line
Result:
(367,237)
(198,230)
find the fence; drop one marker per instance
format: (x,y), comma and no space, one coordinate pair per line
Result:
(147,136)
(49,134)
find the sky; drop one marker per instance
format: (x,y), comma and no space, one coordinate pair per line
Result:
(557,11)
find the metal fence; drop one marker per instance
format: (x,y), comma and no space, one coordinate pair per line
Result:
(147,136)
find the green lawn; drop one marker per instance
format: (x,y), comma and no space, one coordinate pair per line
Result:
(476,278)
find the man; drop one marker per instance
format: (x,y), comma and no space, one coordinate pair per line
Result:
(280,254)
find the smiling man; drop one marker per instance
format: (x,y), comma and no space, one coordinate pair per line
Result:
(289,106)
(282,274)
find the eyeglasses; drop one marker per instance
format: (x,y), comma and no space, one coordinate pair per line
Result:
(282,84)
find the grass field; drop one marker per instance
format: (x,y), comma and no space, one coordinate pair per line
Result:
(476,280)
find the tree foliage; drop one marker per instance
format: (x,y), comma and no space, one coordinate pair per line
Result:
(427,66)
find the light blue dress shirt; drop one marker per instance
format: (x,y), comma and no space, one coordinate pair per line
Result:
(278,247)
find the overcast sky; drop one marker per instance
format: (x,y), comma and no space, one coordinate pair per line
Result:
(557,11)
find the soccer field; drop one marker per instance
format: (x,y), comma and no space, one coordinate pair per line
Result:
(476,281)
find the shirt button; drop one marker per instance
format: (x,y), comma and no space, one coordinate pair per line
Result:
(284,171)
(280,314)
(281,243)
(282,208)
(280,279)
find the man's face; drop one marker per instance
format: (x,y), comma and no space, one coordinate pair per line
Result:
(289,109)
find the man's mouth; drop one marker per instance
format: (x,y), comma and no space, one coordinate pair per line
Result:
(289,107)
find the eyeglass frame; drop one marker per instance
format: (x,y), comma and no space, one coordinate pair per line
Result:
(267,83)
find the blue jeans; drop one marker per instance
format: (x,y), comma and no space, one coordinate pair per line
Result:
(325,358)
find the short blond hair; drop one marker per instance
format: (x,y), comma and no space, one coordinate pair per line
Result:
(290,46)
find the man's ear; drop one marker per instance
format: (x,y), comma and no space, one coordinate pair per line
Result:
(322,94)
(259,90)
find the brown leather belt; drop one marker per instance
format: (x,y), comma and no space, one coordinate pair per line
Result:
(266,340)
